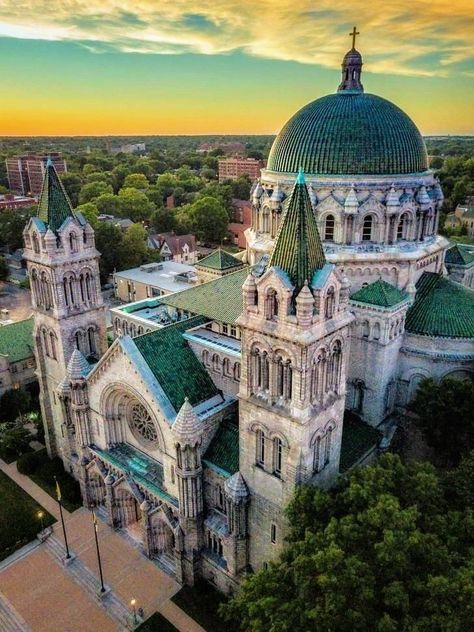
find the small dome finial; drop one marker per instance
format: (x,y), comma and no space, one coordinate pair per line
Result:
(352,68)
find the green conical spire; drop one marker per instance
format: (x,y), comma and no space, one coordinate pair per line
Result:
(298,249)
(54,205)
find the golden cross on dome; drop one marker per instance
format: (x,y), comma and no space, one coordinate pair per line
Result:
(354,34)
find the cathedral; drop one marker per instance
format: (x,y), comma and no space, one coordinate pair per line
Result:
(291,366)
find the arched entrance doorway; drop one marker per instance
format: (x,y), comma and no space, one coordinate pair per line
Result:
(127,509)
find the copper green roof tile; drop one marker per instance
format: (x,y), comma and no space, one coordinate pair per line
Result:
(16,340)
(460,254)
(220,299)
(442,308)
(174,364)
(298,250)
(358,438)
(349,133)
(54,206)
(223,451)
(381,294)
(219,260)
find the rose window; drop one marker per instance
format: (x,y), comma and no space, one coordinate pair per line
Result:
(142,426)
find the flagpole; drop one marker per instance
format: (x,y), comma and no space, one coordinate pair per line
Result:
(94,520)
(58,495)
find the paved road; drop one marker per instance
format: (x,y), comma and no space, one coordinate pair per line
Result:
(17,300)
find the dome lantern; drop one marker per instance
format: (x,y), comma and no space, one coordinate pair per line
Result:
(352,68)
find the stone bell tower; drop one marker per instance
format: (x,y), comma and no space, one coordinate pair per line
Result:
(294,352)
(63,268)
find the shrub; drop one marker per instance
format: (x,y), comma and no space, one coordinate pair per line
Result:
(28,463)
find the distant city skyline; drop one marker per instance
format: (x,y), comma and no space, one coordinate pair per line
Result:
(225,68)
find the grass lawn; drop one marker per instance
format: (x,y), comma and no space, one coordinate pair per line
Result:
(201,602)
(19,523)
(44,477)
(157,623)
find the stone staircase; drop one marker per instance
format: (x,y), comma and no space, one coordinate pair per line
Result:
(83,577)
(10,619)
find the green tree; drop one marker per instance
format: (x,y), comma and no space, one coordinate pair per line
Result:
(12,223)
(445,416)
(4,269)
(108,241)
(207,218)
(13,403)
(72,183)
(134,247)
(163,220)
(91,191)
(135,204)
(136,181)
(108,204)
(16,439)
(90,213)
(386,551)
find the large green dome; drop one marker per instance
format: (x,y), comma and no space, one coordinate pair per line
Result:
(349,133)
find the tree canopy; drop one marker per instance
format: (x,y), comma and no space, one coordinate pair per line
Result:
(389,550)
(445,415)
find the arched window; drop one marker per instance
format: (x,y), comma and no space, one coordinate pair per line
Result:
(329,228)
(365,329)
(46,291)
(330,303)
(78,340)
(317,454)
(402,227)
(327,446)
(376,334)
(66,291)
(367,228)
(226,367)
(271,304)
(82,287)
(91,340)
(72,293)
(277,456)
(73,242)
(88,286)
(237,371)
(52,340)
(36,246)
(260,448)
(205,357)
(266,220)
(215,362)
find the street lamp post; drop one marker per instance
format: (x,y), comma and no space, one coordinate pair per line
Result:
(94,520)
(60,503)
(133,605)
(40,516)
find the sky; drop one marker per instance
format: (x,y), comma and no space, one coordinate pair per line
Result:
(96,67)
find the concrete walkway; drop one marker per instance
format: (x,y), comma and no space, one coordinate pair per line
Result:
(34,490)
(127,572)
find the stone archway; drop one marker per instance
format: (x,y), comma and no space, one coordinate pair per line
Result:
(127,508)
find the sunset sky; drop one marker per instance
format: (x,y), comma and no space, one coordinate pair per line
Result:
(218,66)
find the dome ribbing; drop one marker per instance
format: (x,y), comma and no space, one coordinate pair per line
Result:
(349,133)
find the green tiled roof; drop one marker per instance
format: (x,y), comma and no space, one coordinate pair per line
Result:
(174,364)
(219,260)
(349,133)
(223,451)
(441,308)
(139,466)
(460,254)
(298,249)
(357,439)
(54,206)
(220,299)
(16,340)
(380,293)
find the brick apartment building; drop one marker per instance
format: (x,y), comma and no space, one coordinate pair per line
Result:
(9,201)
(241,220)
(26,173)
(233,168)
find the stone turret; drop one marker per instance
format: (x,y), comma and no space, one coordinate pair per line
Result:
(237,499)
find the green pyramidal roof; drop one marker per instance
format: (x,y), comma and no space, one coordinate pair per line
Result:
(460,254)
(298,249)
(380,293)
(54,206)
(220,260)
